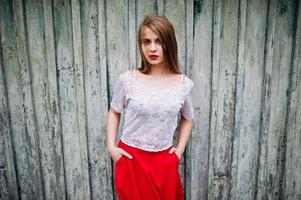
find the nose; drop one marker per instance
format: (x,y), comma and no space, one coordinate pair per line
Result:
(153,47)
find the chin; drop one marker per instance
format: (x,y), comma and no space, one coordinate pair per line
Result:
(154,62)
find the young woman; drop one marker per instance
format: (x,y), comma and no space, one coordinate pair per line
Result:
(152,97)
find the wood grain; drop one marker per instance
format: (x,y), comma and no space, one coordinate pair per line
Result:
(60,59)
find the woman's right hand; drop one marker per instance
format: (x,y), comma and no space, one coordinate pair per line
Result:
(116,153)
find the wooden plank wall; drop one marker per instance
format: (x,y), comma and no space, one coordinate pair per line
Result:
(60,59)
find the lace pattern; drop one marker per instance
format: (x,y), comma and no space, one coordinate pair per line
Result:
(151,114)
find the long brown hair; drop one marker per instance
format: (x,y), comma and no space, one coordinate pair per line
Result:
(163,28)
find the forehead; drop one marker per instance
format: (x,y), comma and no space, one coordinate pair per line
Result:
(147,33)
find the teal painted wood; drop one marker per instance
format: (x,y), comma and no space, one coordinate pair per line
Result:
(80,99)
(200,73)
(223,101)
(263,175)
(275,100)
(23,127)
(8,177)
(94,58)
(50,151)
(291,175)
(60,59)
(55,139)
(187,156)
(248,98)
(71,94)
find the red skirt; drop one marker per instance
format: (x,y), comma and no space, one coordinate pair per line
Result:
(148,176)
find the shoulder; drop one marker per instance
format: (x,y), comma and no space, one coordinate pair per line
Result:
(126,79)
(125,76)
(188,83)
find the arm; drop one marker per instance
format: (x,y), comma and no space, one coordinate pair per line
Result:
(111,133)
(184,134)
(112,127)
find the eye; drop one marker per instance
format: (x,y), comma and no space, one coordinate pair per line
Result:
(145,41)
(158,41)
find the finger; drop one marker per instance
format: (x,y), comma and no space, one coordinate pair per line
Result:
(172,150)
(117,158)
(126,154)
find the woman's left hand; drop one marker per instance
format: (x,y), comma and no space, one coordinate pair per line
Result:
(174,150)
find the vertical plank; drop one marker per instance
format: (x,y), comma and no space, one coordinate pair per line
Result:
(70,92)
(262,180)
(78,77)
(51,163)
(117,38)
(55,140)
(161,7)
(56,78)
(292,175)
(22,124)
(187,69)
(216,26)
(276,80)
(225,66)
(248,98)
(201,75)
(145,7)
(8,178)
(4,151)
(108,179)
(132,34)
(93,33)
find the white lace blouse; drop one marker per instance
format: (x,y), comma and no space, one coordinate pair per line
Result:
(151,113)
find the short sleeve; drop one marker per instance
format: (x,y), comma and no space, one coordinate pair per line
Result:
(187,110)
(119,96)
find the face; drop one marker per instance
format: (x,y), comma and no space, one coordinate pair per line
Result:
(151,47)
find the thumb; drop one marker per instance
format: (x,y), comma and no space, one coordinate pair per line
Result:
(172,150)
(126,154)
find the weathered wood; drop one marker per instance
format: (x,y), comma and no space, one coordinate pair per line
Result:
(70,92)
(100,176)
(223,109)
(292,170)
(8,178)
(79,75)
(19,95)
(252,24)
(274,105)
(132,35)
(262,178)
(187,68)
(59,61)
(52,175)
(104,97)
(160,7)
(55,136)
(200,73)
(107,179)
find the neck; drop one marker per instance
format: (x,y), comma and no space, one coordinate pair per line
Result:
(159,70)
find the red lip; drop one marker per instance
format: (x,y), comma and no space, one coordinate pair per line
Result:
(153,57)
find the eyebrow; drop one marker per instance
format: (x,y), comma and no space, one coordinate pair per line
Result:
(146,39)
